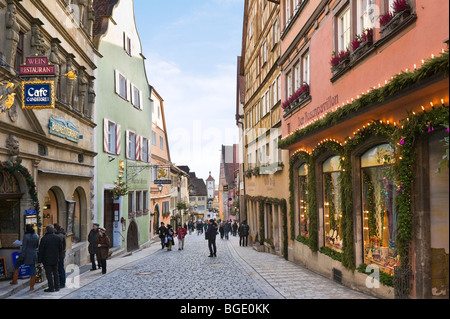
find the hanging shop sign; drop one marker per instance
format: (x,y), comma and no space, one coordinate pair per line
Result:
(38,95)
(37,66)
(162,175)
(62,128)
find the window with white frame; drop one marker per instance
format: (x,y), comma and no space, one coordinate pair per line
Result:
(131,145)
(344,29)
(306,68)
(263,104)
(127,43)
(278,88)
(111,137)
(289,89)
(122,85)
(288,11)
(365,15)
(136,97)
(161,142)
(145,150)
(264,53)
(297,80)
(275,33)
(154,143)
(267,97)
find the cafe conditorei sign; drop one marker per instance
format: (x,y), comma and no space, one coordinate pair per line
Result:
(38,95)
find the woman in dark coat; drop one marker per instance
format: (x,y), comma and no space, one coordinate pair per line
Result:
(28,255)
(103,244)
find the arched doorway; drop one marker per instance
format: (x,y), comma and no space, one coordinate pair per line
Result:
(10,217)
(132,237)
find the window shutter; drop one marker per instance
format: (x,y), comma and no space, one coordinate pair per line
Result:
(149,154)
(105,135)
(128,90)
(141,100)
(118,139)
(132,97)
(117,81)
(127,144)
(138,147)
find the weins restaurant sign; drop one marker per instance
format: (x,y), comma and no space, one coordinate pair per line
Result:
(37,66)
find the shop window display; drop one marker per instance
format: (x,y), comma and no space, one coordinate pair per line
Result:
(332,203)
(9,210)
(303,200)
(378,204)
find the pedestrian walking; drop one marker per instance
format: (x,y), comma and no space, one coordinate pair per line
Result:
(243,230)
(199,227)
(162,234)
(234,228)
(92,248)
(60,232)
(226,229)
(169,237)
(210,235)
(103,244)
(28,256)
(221,230)
(50,249)
(181,233)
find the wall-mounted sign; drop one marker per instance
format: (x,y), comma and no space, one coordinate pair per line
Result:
(162,175)
(62,128)
(35,66)
(38,95)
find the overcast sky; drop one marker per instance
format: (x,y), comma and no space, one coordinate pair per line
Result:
(191,48)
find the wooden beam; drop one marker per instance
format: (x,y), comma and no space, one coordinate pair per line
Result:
(274,1)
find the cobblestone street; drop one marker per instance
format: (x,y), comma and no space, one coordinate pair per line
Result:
(236,273)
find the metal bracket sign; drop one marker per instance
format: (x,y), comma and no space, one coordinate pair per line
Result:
(38,95)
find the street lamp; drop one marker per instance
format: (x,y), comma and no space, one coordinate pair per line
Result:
(160,187)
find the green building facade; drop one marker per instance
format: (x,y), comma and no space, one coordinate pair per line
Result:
(124,128)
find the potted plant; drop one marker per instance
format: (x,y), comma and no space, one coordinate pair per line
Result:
(389,21)
(361,43)
(339,60)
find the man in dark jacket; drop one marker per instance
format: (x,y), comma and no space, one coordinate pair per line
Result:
(210,235)
(92,239)
(50,249)
(162,234)
(61,271)
(243,231)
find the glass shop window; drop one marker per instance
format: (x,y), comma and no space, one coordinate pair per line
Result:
(332,203)
(303,200)
(379,214)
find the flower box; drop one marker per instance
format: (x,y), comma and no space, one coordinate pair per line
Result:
(397,20)
(299,96)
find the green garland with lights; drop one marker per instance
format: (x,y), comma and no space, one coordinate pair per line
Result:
(370,204)
(432,67)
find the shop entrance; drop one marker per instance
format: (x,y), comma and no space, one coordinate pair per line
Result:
(108,215)
(132,237)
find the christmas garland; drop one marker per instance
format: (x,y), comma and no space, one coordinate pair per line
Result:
(401,81)
(5,167)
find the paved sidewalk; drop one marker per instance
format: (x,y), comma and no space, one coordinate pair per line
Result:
(293,281)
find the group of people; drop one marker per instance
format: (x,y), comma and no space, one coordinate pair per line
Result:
(50,252)
(167,235)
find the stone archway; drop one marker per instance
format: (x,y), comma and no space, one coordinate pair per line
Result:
(132,236)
